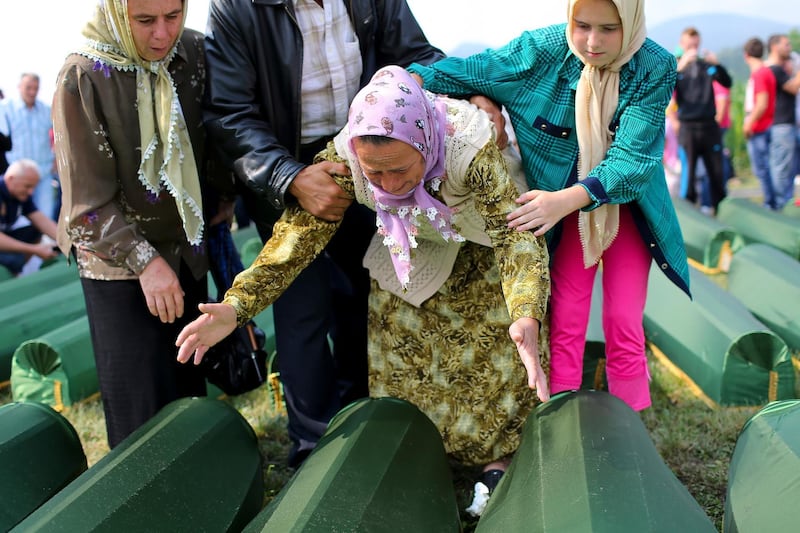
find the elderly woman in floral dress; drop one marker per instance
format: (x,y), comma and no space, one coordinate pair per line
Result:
(457,297)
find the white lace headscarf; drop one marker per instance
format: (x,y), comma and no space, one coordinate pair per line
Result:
(596,102)
(167,155)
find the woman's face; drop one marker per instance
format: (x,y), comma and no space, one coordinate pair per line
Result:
(597,31)
(395,167)
(155,26)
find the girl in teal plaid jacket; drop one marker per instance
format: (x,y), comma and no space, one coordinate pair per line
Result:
(587,101)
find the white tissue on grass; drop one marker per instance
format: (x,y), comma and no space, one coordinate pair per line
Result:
(479,500)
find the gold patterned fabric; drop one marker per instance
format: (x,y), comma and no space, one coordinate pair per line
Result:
(452,356)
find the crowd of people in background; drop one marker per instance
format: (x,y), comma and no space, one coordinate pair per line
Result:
(696,156)
(26,135)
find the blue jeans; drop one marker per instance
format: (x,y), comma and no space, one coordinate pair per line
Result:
(781,162)
(758,150)
(797,151)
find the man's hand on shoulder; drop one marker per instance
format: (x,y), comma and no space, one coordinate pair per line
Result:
(318,193)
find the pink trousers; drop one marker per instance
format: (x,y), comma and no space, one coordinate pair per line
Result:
(625,267)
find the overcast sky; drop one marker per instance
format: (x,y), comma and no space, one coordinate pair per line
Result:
(36,35)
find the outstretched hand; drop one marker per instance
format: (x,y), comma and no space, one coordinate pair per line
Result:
(525,334)
(217,322)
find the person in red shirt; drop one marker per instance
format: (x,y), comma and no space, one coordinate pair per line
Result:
(759,108)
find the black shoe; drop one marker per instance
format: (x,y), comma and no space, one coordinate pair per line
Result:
(491,478)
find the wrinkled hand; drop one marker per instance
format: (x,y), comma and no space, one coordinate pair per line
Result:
(318,193)
(162,290)
(541,210)
(495,115)
(44,250)
(525,334)
(217,322)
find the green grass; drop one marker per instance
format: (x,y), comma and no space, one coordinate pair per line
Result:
(695,441)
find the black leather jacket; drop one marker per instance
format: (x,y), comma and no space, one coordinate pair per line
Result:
(254,55)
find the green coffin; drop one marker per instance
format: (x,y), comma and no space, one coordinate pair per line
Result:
(767,282)
(195,466)
(379,467)
(709,243)
(757,224)
(764,474)
(5,275)
(33,317)
(58,368)
(732,357)
(42,281)
(586,464)
(40,453)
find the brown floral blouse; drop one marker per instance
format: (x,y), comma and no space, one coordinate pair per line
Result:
(115,225)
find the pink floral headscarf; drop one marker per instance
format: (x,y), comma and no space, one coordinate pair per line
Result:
(393,105)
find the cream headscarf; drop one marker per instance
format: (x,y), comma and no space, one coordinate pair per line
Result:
(167,155)
(596,102)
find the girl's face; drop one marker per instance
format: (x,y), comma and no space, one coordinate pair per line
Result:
(597,31)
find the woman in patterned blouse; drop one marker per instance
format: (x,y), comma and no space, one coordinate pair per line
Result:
(129,142)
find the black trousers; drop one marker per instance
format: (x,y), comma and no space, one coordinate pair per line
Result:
(703,139)
(135,352)
(321,330)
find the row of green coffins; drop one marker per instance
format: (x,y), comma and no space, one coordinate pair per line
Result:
(586,463)
(762,275)
(710,242)
(757,224)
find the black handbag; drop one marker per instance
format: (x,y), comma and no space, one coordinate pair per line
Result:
(237,364)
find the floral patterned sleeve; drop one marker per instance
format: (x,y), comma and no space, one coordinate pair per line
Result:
(87,164)
(521,257)
(298,237)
